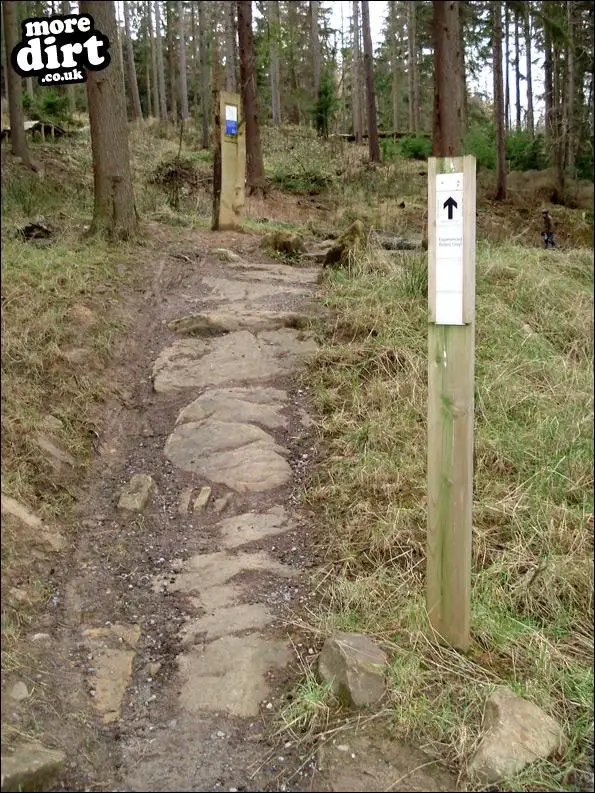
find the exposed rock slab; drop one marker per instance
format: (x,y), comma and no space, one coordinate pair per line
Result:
(44,538)
(242,456)
(251,526)
(516,733)
(136,493)
(31,766)
(355,666)
(229,674)
(238,291)
(216,324)
(278,272)
(228,620)
(257,405)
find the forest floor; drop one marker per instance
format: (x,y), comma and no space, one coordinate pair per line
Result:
(94,385)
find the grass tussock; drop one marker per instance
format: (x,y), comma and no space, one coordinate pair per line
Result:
(532,602)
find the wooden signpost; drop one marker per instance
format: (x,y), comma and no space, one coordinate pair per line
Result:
(229,164)
(451,332)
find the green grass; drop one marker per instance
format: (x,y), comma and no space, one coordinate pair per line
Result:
(532,586)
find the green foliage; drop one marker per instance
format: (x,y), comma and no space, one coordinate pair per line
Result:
(584,163)
(390,149)
(480,141)
(327,104)
(525,153)
(47,106)
(416,147)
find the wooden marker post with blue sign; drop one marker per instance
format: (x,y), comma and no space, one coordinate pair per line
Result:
(451,331)
(229,162)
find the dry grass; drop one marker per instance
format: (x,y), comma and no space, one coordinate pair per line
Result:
(532,608)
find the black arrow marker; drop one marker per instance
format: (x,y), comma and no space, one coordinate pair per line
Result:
(449,204)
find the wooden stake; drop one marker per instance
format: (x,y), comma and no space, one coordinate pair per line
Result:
(451,297)
(229,162)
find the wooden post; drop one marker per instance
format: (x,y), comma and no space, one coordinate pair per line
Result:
(451,331)
(229,162)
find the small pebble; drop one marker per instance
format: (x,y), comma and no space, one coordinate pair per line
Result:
(269,705)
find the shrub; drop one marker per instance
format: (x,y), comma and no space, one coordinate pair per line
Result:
(480,141)
(525,153)
(416,147)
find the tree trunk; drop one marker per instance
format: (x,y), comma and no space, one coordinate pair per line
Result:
(137,113)
(204,76)
(507,61)
(70,89)
(182,61)
(114,213)
(393,64)
(517,69)
(160,67)
(373,146)
(499,103)
(274,32)
(230,32)
(570,120)
(411,65)
(527,25)
(254,162)
(18,140)
(355,75)
(153,60)
(292,25)
(463,10)
(315,45)
(448,95)
(548,84)
(148,79)
(171,64)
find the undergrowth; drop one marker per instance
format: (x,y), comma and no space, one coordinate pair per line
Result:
(532,598)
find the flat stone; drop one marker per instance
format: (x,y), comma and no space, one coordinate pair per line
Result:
(246,292)
(355,666)
(228,675)
(56,454)
(110,681)
(242,456)
(216,324)
(255,405)
(217,597)
(10,506)
(516,733)
(225,255)
(221,504)
(19,691)
(228,620)
(136,494)
(31,767)
(278,272)
(202,499)
(184,502)
(251,526)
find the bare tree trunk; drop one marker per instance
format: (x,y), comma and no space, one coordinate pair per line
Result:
(230,32)
(393,64)
(355,76)
(274,28)
(70,89)
(114,212)
(148,79)
(182,60)
(160,68)
(499,103)
(254,162)
(153,60)
(448,94)
(463,6)
(570,90)
(137,113)
(292,25)
(204,75)
(315,46)
(171,65)
(548,84)
(18,140)
(373,147)
(411,65)
(527,24)
(507,61)
(517,68)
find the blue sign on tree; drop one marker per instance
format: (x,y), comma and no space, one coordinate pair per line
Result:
(231,120)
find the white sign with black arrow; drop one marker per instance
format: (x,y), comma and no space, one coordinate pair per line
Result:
(449,249)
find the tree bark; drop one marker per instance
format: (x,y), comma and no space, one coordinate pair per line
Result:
(527,26)
(448,94)
(393,64)
(230,32)
(499,103)
(274,21)
(18,140)
(570,90)
(355,76)
(153,60)
(160,67)
(373,145)
(517,70)
(171,64)
(507,67)
(412,65)
(137,113)
(295,102)
(315,46)
(70,89)
(114,213)
(254,162)
(548,84)
(204,76)
(182,61)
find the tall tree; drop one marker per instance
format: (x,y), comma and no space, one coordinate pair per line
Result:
(373,146)
(315,46)
(448,81)
(204,74)
(517,68)
(274,20)
(507,62)
(498,101)
(160,67)
(153,60)
(114,213)
(570,88)
(254,160)
(171,64)
(412,66)
(182,61)
(393,64)
(70,89)
(137,113)
(527,31)
(18,141)
(230,34)
(356,75)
